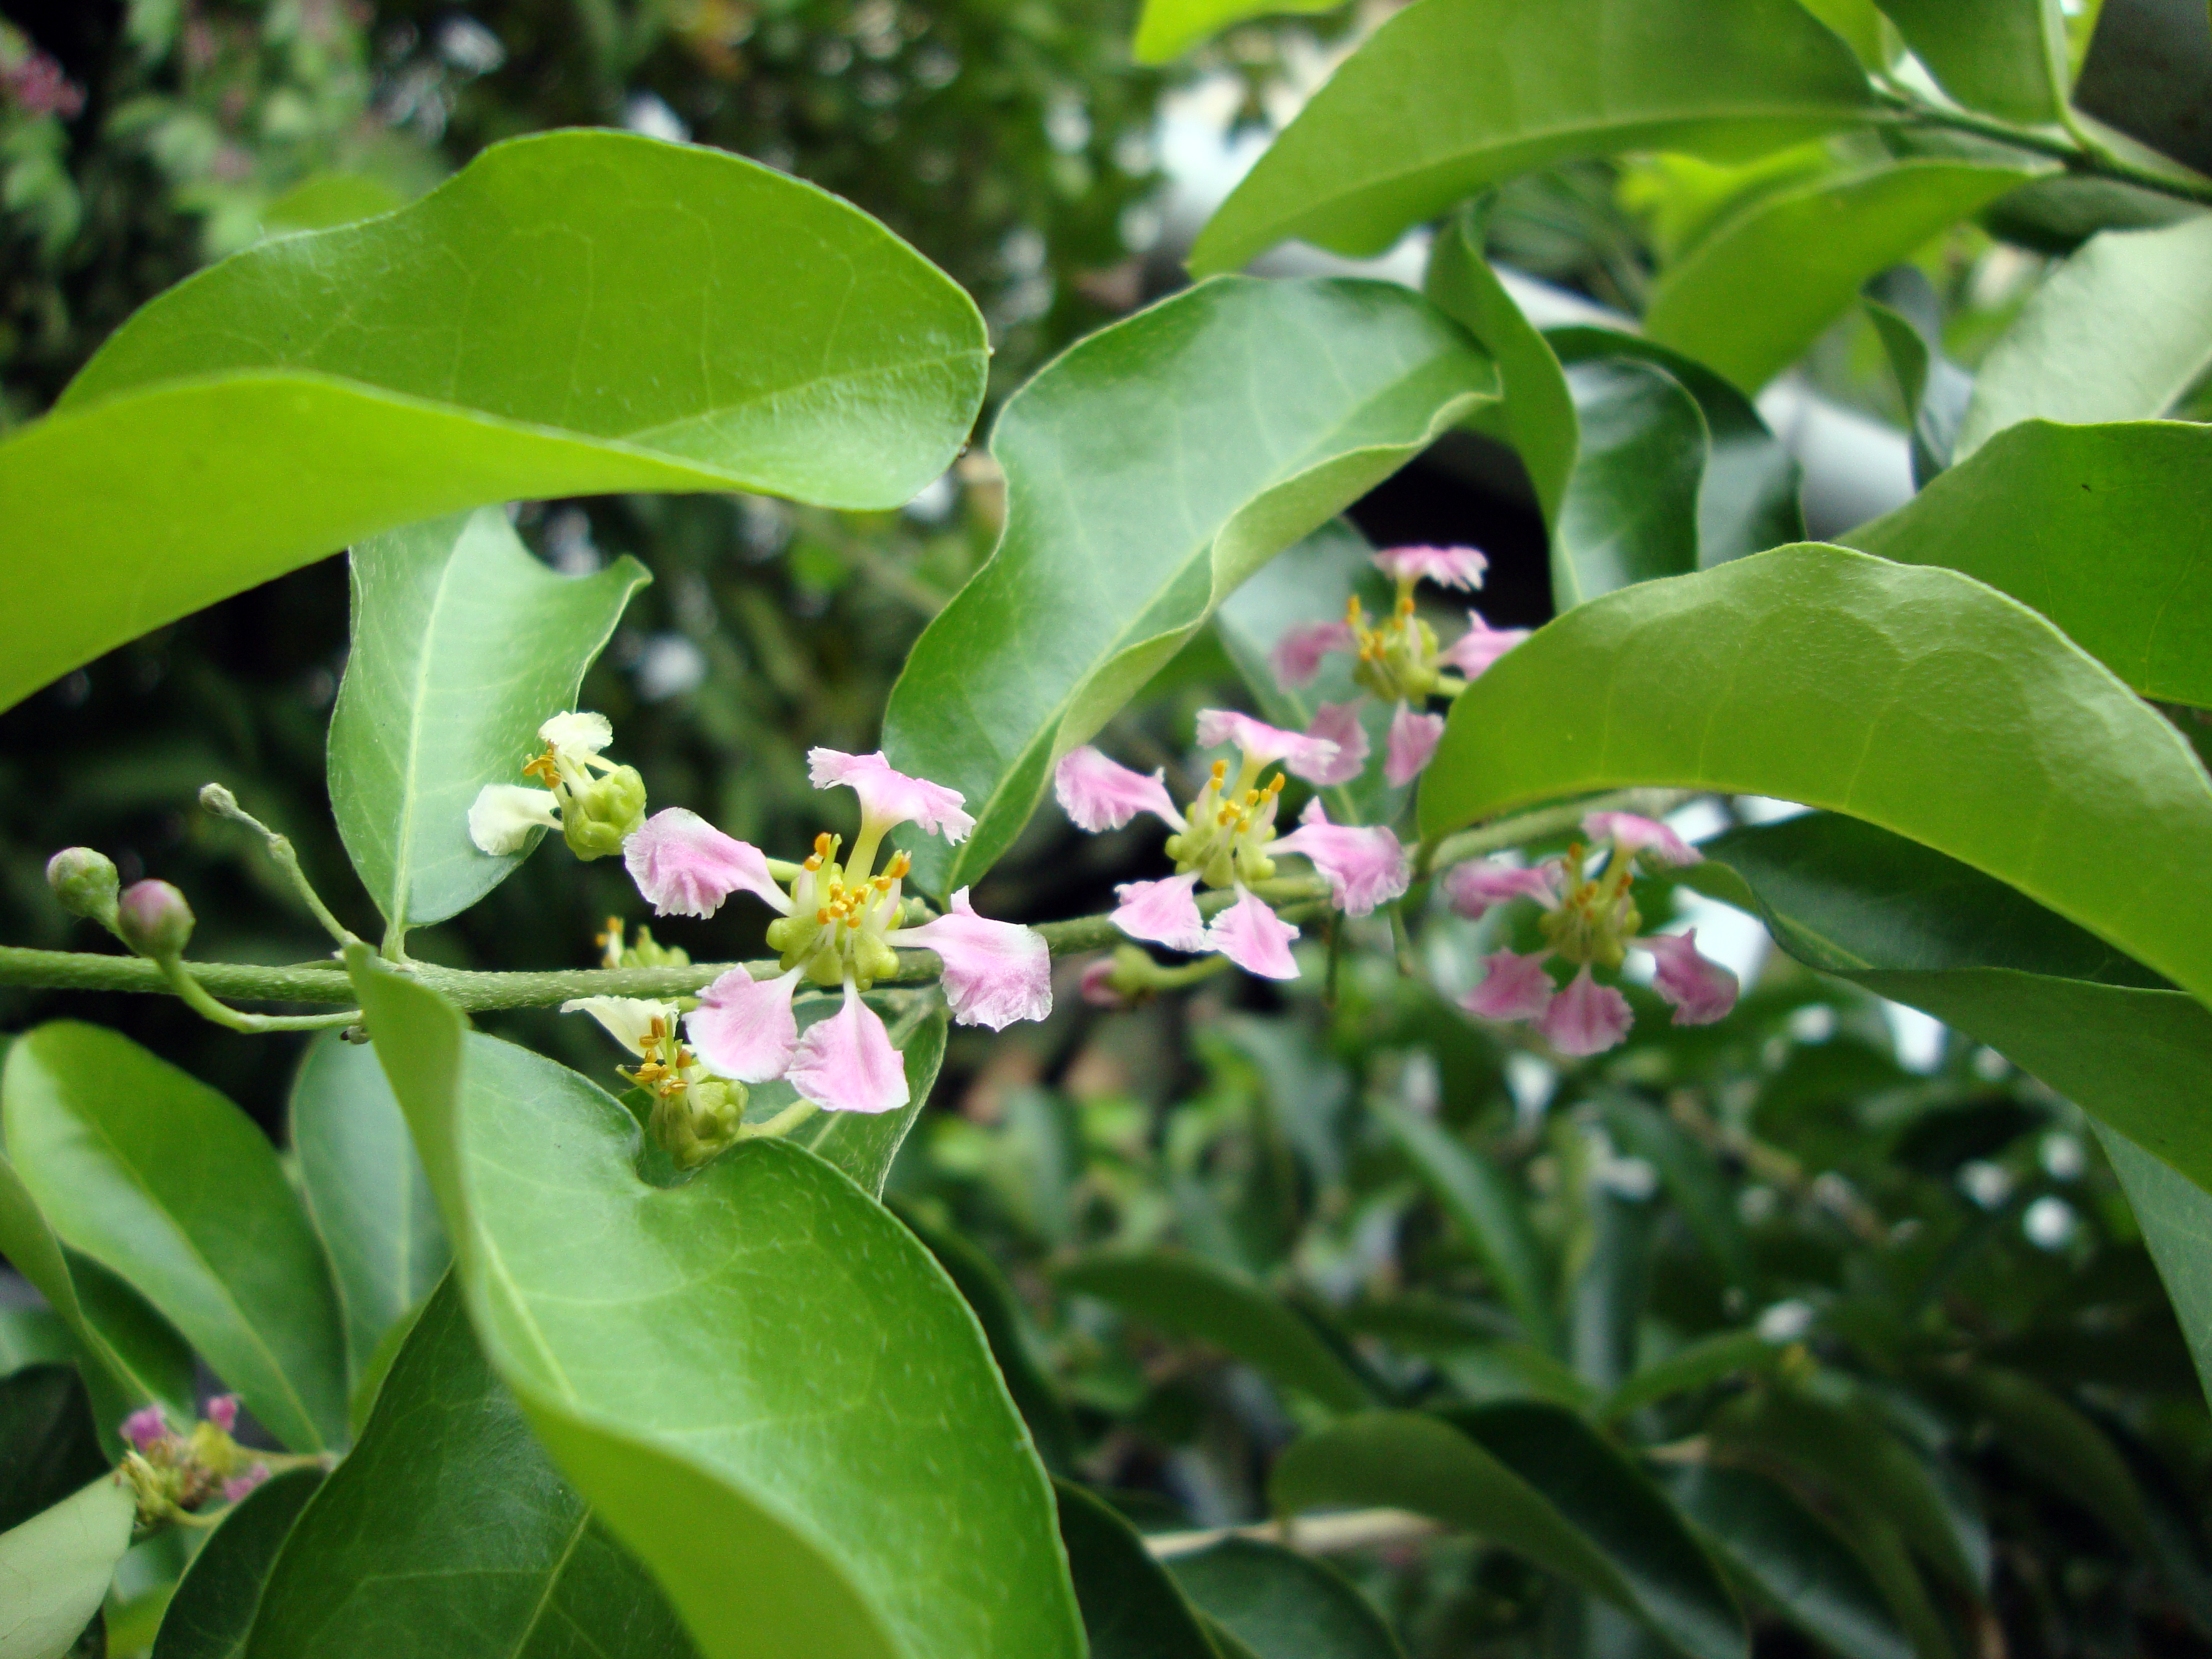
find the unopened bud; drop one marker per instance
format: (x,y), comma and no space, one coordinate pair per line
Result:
(214,798)
(84,882)
(1121,981)
(153,919)
(693,1124)
(595,821)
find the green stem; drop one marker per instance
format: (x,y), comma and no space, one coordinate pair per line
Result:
(2074,152)
(195,997)
(224,804)
(1502,833)
(781,1125)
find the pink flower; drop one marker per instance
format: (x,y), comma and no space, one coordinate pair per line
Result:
(239,1485)
(1481,645)
(1701,989)
(1251,935)
(1472,888)
(1262,742)
(744,1027)
(1097,987)
(1633,834)
(1413,740)
(1365,867)
(1585,1019)
(995,973)
(1448,566)
(146,1428)
(888,797)
(1337,723)
(1514,986)
(1097,794)
(223,1412)
(1164,911)
(686,867)
(1296,656)
(846,1063)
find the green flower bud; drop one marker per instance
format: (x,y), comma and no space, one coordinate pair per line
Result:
(693,1124)
(596,819)
(153,919)
(650,952)
(85,883)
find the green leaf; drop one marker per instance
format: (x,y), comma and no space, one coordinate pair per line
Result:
(2097,527)
(1606,1298)
(1915,699)
(2058,1446)
(2008,56)
(366,1192)
(2175,1214)
(1168,28)
(1193,1297)
(864,1146)
(1484,1202)
(55,1568)
(821,1490)
(1805,252)
(212,1612)
(1149,471)
(34,1336)
(641,316)
(1131,1607)
(1450,96)
(1908,318)
(447,1521)
(1796,1560)
(172,1188)
(1283,1605)
(323,199)
(1701,1194)
(2117,333)
(1858,23)
(48,1448)
(463,644)
(1535,1480)
(1631,512)
(1700,1364)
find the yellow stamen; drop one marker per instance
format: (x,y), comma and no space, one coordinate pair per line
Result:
(544,768)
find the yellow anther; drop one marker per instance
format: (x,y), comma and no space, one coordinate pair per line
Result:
(1220,771)
(1275,784)
(1405,604)
(1226,814)
(543,767)
(822,917)
(1352,613)
(899,865)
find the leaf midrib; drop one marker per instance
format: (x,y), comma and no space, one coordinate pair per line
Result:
(402,874)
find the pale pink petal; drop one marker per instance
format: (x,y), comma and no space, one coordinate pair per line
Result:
(146,1428)
(1165,912)
(888,797)
(1296,656)
(239,1485)
(1514,986)
(846,1063)
(1097,794)
(686,867)
(1474,887)
(1098,986)
(1585,1019)
(1701,989)
(744,1027)
(995,972)
(1263,742)
(1337,723)
(1251,935)
(1365,867)
(1647,835)
(1413,740)
(223,1412)
(1447,566)
(1481,645)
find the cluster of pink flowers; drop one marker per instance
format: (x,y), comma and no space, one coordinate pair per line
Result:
(175,1473)
(1589,920)
(35,84)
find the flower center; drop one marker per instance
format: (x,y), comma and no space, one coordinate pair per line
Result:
(1397,658)
(1596,916)
(839,916)
(1231,825)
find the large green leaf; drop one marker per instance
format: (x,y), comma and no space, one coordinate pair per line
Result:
(1193,1297)
(1449,96)
(463,644)
(163,1180)
(366,1191)
(2103,529)
(756,1376)
(55,1568)
(634,315)
(2117,333)
(447,1530)
(1149,471)
(1804,252)
(2008,56)
(48,1446)
(1283,1605)
(1630,512)
(212,1612)
(1915,698)
(1131,1607)
(1168,28)
(1901,303)
(2176,1216)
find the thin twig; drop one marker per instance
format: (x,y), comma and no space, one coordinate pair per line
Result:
(1317,1534)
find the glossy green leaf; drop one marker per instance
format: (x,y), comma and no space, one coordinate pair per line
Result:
(1796,1560)
(1805,252)
(821,1489)
(1149,471)
(211,1614)
(1694,1366)
(1701,1194)
(1608,1296)
(1450,96)
(2056,1444)
(642,316)
(1168,28)
(447,1529)
(1131,1608)
(47,1445)
(2145,72)
(55,1568)
(1906,315)
(1916,699)
(366,1192)
(34,1336)
(166,1183)
(2175,1214)
(2008,56)
(1630,512)
(1858,23)
(323,199)
(2101,528)
(463,644)
(1192,1296)
(1283,1605)
(1487,1207)
(2117,333)
(863,1145)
